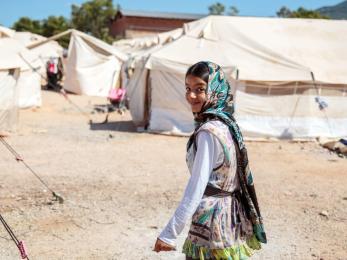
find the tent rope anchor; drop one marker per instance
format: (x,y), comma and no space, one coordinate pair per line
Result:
(20,244)
(18,158)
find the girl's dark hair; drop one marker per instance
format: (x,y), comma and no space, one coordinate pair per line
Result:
(199,70)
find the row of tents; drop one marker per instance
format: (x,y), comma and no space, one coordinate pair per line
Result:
(20,70)
(92,68)
(289,76)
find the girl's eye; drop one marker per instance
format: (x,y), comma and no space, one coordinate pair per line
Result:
(187,89)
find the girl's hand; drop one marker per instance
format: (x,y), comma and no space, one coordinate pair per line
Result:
(162,246)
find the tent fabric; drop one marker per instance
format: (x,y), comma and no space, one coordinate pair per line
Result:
(136,91)
(169,110)
(29,90)
(133,46)
(93,67)
(10,66)
(290,116)
(261,51)
(316,44)
(44,51)
(27,38)
(101,46)
(12,53)
(168,107)
(8,106)
(6,32)
(15,55)
(171,58)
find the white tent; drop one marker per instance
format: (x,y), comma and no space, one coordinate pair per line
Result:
(93,66)
(8,108)
(6,32)
(43,51)
(28,38)
(14,44)
(139,49)
(10,65)
(274,58)
(13,53)
(136,45)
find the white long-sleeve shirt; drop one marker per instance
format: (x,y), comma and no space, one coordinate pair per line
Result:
(209,155)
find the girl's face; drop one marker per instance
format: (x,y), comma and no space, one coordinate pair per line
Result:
(195,92)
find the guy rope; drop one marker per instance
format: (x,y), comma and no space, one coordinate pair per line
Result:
(20,159)
(19,244)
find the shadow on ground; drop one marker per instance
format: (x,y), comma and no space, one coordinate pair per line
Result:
(104,108)
(120,126)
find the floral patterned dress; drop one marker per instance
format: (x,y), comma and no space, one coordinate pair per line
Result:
(219,228)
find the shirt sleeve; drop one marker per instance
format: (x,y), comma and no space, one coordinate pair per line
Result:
(208,148)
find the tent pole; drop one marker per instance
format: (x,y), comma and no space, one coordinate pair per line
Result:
(269,89)
(296,87)
(148,93)
(52,38)
(314,83)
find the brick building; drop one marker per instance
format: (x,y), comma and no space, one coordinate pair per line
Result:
(131,24)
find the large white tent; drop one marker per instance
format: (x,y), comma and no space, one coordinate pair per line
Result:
(50,49)
(275,61)
(14,50)
(8,108)
(138,50)
(93,66)
(29,81)
(137,45)
(10,65)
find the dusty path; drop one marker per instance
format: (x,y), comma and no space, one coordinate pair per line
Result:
(121,187)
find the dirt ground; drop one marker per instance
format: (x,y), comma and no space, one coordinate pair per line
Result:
(121,187)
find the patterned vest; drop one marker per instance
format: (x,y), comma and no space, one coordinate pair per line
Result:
(219,222)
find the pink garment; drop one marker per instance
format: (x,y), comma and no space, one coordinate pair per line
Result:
(117,94)
(52,68)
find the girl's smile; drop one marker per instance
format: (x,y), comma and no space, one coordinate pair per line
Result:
(195,92)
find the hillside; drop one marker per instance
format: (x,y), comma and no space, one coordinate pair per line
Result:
(338,11)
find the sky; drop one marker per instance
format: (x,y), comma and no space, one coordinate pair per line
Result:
(12,10)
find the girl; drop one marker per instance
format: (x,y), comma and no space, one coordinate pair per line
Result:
(220,196)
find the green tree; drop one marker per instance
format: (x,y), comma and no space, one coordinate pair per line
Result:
(233,11)
(94,17)
(25,24)
(284,12)
(54,25)
(216,9)
(305,13)
(300,13)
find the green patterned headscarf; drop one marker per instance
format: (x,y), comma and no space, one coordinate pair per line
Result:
(219,105)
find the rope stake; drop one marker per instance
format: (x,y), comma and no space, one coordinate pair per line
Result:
(19,158)
(22,250)
(20,244)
